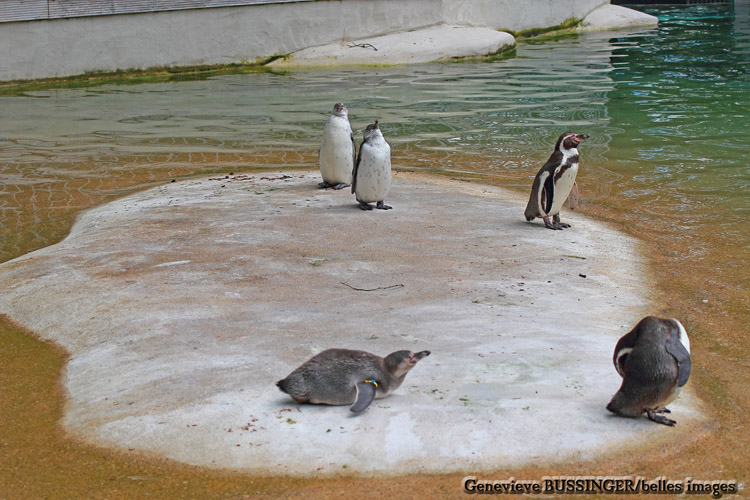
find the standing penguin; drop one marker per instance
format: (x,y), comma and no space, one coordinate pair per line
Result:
(654,362)
(555,181)
(372,171)
(344,376)
(336,155)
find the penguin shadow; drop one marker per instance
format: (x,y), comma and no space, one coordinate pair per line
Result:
(348,204)
(529,225)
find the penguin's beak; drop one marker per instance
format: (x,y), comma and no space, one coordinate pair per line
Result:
(579,138)
(414,357)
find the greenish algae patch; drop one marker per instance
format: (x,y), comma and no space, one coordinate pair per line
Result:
(134,76)
(508,52)
(565,27)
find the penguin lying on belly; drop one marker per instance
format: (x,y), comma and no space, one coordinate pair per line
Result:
(653,360)
(345,376)
(555,181)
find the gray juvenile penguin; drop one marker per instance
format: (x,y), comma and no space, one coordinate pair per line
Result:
(555,182)
(337,155)
(654,362)
(371,180)
(344,376)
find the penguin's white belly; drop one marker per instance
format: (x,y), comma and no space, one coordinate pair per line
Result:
(374,173)
(337,151)
(562,189)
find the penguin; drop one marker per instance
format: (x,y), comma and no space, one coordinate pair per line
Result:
(555,182)
(371,180)
(653,360)
(345,376)
(337,153)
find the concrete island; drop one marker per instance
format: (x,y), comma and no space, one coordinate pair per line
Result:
(182,305)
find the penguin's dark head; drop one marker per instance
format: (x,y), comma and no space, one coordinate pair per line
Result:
(570,140)
(400,362)
(372,131)
(339,109)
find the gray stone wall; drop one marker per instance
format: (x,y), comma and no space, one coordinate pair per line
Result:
(65,47)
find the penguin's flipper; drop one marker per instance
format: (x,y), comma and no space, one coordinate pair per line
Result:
(548,194)
(356,167)
(365,395)
(678,351)
(573,196)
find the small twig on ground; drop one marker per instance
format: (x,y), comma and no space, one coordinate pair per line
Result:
(372,289)
(363,45)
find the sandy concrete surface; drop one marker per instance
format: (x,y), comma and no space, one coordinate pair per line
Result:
(182,306)
(407,47)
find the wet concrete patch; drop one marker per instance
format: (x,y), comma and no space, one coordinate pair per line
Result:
(183,305)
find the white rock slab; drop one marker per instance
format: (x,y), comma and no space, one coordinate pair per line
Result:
(419,46)
(182,306)
(613,17)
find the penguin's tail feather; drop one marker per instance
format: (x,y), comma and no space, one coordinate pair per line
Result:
(530,213)
(282,385)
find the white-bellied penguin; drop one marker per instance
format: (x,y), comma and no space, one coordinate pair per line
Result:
(654,362)
(337,154)
(345,376)
(555,182)
(371,181)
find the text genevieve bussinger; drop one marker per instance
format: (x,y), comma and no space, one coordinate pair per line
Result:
(598,485)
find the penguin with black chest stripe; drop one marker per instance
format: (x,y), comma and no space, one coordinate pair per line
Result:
(337,154)
(555,182)
(345,376)
(371,180)
(653,360)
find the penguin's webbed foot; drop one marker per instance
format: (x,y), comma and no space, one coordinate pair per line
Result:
(383,206)
(323,185)
(659,419)
(556,221)
(365,206)
(662,410)
(341,185)
(551,225)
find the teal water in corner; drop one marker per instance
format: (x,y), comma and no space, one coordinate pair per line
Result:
(667,110)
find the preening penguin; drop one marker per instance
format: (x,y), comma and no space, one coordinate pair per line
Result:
(654,362)
(371,180)
(345,376)
(555,182)
(337,155)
